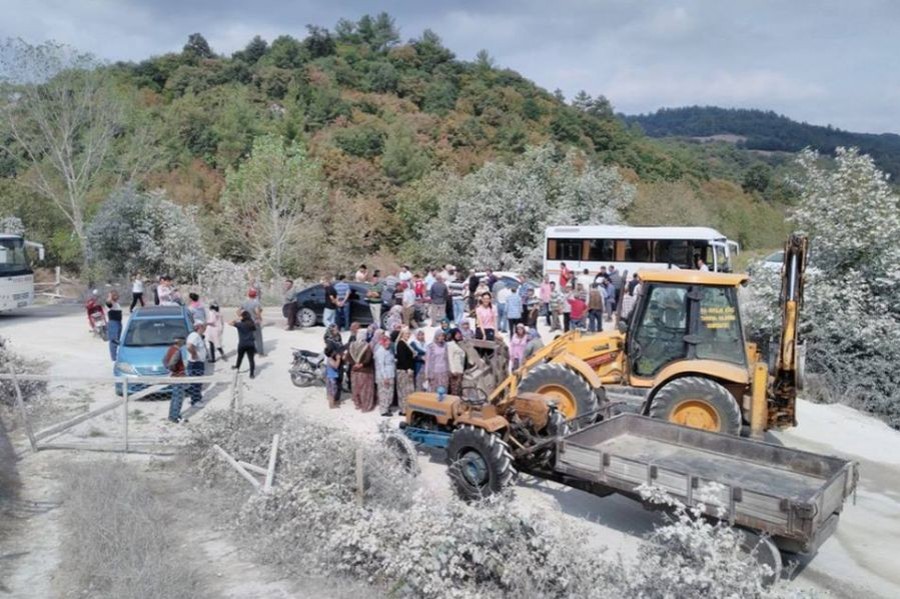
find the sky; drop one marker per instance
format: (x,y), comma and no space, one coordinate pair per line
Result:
(823,62)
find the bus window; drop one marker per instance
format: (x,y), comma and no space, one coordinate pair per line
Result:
(678,252)
(601,250)
(564,249)
(638,250)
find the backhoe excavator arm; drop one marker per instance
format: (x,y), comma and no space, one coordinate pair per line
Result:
(785,381)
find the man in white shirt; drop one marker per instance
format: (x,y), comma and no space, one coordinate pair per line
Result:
(502,295)
(409,305)
(585,279)
(195,347)
(405,275)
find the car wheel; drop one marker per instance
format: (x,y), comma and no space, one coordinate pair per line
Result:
(306,318)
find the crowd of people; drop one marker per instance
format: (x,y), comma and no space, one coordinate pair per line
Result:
(391,358)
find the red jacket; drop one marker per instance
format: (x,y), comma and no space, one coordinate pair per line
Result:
(578,308)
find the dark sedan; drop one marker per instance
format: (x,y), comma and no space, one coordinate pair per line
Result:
(311,306)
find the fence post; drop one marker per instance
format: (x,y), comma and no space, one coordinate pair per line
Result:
(22,413)
(125,403)
(56,286)
(360,477)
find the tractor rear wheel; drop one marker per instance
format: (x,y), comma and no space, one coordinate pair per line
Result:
(480,462)
(573,395)
(697,402)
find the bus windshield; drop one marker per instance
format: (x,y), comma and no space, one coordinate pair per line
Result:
(12,256)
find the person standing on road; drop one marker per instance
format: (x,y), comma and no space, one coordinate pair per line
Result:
(196,360)
(362,373)
(502,297)
(457,287)
(166,292)
(517,342)
(246,341)
(385,372)
(373,298)
(456,362)
(290,304)
(473,283)
(564,275)
(333,369)
(342,288)
(544,294)
(437,366)
(329,315)
(485,318)
(362,274)
(595,309)
(196,308)
(406,368)
(137,291)
(409,305)
(405,276)
(252,307)
(556,301)
(514,309)
(418,346)
(114,328)
(174,364)
(214,326)
(439,295)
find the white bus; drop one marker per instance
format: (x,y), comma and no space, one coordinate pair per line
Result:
(16,276)
(634,248)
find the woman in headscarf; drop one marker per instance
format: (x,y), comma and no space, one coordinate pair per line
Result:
(418,346)
(385,371)
(517,342)
(456,360)
(395,317)
(406,378)
(437,367)
(362,373)
(445,328)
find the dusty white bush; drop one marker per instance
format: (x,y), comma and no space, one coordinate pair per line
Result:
(119,540)
(227,282)
(413,544)
(692,556)
(11,225)
(31,390)
(851,313)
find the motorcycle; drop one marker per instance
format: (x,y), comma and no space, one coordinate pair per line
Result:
(308,370)
(100,327)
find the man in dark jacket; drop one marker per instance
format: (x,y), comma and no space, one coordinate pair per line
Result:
(174,363)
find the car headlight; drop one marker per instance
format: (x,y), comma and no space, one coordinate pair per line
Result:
(126,368)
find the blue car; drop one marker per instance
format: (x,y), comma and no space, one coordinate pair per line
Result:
(149,333)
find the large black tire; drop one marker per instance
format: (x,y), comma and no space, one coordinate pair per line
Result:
(765,552)
(699,403)
(574,396)
(480,463)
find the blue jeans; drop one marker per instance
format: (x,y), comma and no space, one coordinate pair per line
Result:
(459,310)
(595,318)
(176,401)
(328,317)
(115,332)
(195,391)
(344,312)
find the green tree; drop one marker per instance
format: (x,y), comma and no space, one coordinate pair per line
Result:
(197,48)
(253,51)
(61,114)
(403,159)
(275,202)
(319,42)
(758,178)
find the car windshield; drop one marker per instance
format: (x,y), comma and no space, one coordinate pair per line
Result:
(145,333)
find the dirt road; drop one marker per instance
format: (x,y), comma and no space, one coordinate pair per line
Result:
(860,559)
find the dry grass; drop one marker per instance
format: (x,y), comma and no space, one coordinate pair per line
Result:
(119,539)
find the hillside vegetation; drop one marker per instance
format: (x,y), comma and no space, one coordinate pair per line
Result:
(373,125)
(769,131)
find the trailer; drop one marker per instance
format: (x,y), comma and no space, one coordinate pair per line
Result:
(783,499)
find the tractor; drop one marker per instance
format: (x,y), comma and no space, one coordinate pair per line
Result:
(681,356)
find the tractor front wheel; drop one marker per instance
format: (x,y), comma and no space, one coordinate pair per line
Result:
(480,463)
(697,402)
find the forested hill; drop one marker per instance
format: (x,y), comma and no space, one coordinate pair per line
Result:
(395,129)
(766,130)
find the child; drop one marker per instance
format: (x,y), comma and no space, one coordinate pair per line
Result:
(332,373)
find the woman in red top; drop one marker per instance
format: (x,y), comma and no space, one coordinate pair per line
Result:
(564,275)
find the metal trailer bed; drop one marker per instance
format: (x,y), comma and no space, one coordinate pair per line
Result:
(793,496)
